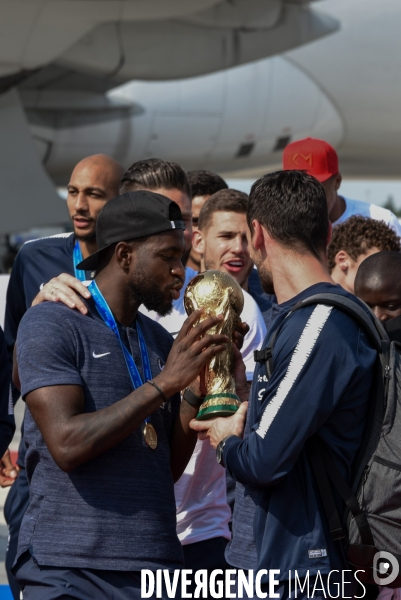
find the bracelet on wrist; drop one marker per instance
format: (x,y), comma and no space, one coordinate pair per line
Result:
(162,394)
(192,398)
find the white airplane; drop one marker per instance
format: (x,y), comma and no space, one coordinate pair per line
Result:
(217,84)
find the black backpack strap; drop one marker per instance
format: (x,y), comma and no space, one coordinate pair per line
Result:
(325,491)
(266,355)
(370,324)
(323,464)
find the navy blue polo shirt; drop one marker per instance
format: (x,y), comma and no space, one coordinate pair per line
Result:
(323,365)
(116,511)
(7,423)
(36,263)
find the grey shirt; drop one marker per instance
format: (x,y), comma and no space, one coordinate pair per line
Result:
(116,511)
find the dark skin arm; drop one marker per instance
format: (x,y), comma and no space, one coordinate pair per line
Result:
(68,289)
(74,437)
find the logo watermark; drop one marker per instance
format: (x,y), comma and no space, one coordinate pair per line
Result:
(233,583)
(385,568)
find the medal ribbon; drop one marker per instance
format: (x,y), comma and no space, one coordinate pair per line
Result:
(76,259)
(107,316)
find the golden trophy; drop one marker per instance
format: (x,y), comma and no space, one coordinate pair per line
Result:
(219,294)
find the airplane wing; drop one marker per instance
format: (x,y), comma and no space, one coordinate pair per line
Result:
(58,59)
(28,196)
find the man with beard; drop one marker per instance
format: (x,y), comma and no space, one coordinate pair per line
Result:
(203,514)
(93,182)
(106,431)
(317,383)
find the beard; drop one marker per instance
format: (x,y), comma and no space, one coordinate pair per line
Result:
(89,237)
(266,279)
(146,291)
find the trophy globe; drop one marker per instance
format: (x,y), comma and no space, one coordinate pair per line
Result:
(219,294)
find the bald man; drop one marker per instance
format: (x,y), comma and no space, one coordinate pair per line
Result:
(93,182)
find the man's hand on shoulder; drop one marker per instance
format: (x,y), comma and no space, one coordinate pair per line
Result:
(8,471)
(217,429)
(66,289)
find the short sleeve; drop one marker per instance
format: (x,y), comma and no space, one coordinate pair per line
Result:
(46,349)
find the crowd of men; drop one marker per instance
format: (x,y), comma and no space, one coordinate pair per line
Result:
(115,474)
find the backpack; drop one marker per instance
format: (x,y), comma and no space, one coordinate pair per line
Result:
(370,526)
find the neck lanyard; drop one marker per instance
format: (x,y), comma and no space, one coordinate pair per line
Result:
(76,259)
(107,316)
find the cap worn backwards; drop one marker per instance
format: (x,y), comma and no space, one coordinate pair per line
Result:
(133,215)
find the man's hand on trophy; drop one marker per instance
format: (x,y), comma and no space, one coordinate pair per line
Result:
(217,429)
(191,350)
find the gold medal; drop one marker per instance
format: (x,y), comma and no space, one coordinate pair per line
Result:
(150,435)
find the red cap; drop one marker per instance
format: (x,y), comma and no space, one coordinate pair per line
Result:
(316,157)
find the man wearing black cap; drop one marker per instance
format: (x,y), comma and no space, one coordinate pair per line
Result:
(106,432)
(93,182)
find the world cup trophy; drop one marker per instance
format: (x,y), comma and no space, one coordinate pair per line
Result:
(219,294)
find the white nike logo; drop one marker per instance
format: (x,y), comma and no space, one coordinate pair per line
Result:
(99,355)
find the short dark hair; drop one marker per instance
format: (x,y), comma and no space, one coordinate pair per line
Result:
(383,267)
(205,183)
(154,173)
(292,207)
(359,234)
(225,200)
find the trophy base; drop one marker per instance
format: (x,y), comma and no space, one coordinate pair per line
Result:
(218,405)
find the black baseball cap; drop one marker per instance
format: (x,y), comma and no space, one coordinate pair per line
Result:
(130,216)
